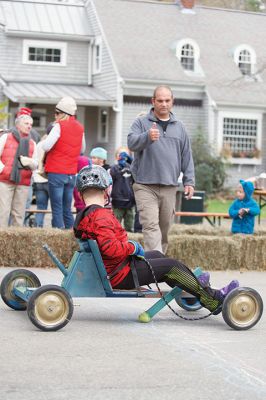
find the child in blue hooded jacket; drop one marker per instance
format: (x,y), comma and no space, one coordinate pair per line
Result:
(244,209)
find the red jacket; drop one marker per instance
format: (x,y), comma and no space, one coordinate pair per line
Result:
(63,156)
(102,226)
(7,159)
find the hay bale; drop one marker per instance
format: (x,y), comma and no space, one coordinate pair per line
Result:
(209,252)
(198,229)
(253,252)
(22,247)
(210,248)
(203,230)
(233,252)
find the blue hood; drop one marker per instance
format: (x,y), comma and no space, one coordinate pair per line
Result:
(248,188)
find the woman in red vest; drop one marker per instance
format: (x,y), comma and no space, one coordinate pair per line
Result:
(18,157)
(63,147)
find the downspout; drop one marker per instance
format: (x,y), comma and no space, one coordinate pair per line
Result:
(212,122)
(118,108)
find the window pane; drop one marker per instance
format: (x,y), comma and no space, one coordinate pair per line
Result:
(245,68)
(244,62)
(44,54)
(187,57)
(104,125)
(240,136)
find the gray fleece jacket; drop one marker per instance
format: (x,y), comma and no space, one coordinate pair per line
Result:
(162,161)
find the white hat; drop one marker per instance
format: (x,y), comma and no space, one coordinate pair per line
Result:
(67,105)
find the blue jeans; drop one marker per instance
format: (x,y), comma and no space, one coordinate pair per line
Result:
(61,188)
(42,197)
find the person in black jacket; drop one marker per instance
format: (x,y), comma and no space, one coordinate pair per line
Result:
(123,200)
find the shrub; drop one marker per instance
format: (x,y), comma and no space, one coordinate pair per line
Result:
(209,168)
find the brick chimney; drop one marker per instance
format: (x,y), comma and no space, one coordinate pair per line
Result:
(188,4)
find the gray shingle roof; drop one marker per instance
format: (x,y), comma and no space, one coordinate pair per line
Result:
(143,37)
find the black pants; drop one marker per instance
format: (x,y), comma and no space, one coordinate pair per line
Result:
(174,273)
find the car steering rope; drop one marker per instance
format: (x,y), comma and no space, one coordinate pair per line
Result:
(168,305)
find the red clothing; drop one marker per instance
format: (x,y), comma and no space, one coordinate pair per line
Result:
(7,159)
(79,204)
(63,156)
(102,226)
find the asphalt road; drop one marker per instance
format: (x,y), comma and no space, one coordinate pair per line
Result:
(105,353)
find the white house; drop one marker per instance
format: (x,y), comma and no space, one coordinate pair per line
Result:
(110,54)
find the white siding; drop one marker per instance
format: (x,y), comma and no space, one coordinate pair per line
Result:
(91,128)
(192,117)
(75,71)
(107,79)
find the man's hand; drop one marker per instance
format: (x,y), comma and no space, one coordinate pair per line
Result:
(188,192)
(154,132)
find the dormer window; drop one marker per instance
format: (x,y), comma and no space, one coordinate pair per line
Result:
(187,57)
(245,59)
(245,62)
(43,52)
(188,53)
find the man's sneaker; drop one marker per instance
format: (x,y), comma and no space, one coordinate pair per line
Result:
(204,279)
(227,289)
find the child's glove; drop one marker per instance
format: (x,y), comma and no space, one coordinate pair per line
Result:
(124,158)
(139,251)
(122,163)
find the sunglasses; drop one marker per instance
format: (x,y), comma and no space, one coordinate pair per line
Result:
(57,112)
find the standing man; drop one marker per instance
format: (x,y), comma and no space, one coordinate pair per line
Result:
(162,151)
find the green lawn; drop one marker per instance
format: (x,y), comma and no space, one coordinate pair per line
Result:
(219,205)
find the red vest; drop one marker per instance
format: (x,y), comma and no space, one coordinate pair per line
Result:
(7,159)
(63,156)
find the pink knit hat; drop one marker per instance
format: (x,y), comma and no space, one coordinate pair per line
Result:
(83,161)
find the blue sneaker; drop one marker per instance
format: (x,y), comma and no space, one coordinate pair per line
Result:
(227,289)
(204,279)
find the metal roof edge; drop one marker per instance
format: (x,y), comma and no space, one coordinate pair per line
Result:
(7,89)
(155,82)
(51,2)
(240,105)
(35,100)
(46,35)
